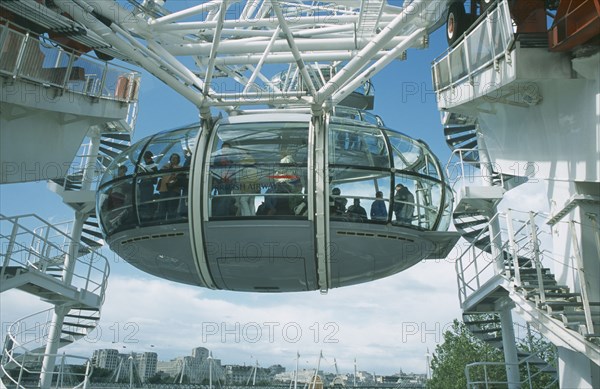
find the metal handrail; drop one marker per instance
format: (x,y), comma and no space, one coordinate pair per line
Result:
(486,381)
(89,273)
(25,56)
(515,235)
(456,63)
(457,159)
(60,373)
(474,258)
(522,238)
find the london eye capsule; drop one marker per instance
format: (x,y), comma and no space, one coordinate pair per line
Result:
(271,202)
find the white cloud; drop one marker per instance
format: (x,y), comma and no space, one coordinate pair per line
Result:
(387,324)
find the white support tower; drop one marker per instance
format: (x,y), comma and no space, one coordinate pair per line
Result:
(64,117)
(520,106)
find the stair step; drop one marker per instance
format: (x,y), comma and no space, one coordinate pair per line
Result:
(545,270)
(492,339)
(486,331)
(95,233)
(73,333)
(534,281)
(563,295)
(462,138)
(563,304)
(109,152)
(467,145)
(117,135)
(114,145)
(479,322)
(547,286)
(578,315)
(88,326)
(532,274)
(472,223)
(91,223)
(471,156)
(468,213)
(472,234)
(82,317)
(90,242)
(85,308)
(452,129)
(67,341)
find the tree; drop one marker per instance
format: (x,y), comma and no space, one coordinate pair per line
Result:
(459,348)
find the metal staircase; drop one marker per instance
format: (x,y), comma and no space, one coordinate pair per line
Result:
(370,12)
(564,316)
(41,259)
(60,263)
(532,360)
(508,264)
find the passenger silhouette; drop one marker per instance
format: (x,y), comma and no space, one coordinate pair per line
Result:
(378,208)
(356,212)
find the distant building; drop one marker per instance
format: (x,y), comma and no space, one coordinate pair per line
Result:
(195,367)
(240,375)
(200,353)
(106,359)
(304,376)
(146,364)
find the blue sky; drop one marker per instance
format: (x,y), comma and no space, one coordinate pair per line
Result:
(387,325)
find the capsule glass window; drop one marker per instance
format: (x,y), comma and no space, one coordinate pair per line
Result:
(258,169)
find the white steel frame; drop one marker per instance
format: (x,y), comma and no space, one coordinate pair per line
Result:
(245,43)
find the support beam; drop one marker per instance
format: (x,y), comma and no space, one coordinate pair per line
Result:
(215,46)
(319,208)
(509,346)
(84,16)
(372,70)
(295,52)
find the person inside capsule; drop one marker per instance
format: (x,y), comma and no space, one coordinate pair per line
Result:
(257,170)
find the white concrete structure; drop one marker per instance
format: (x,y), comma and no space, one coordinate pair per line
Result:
(522,108)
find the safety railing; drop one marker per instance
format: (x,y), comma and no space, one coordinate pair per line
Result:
(25,56)
(536,370)
(44,249)
(493,375)
(86,166)
(26,336)
(517,242)
(476,265)
(72,371)
(484,44)
(462,172)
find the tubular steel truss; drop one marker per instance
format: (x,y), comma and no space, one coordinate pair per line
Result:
(228,53)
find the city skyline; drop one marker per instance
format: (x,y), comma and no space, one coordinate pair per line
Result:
(113,359)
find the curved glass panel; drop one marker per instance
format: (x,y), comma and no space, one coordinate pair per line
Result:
(124,164)
(115,203)
(359,195)
(413,196)
(148,183)
(352,145)
(407,153)
(258,169)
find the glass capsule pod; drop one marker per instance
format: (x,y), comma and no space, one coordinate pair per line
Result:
(256,204)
